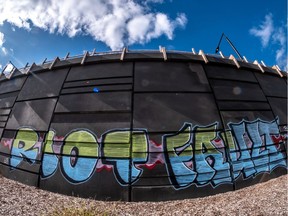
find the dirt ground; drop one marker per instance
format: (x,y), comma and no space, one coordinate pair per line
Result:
(268,198)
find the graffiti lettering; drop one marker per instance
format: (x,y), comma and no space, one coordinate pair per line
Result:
(24,147)
(206,162)
(179,152)
(50,160)
(252,149)
(119,148)
(80,156)
(209,159)
(197,155)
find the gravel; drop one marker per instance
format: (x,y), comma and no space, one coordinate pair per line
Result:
(268,198)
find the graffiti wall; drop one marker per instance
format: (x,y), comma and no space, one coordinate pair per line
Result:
(143,131)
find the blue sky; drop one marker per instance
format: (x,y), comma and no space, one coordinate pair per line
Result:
(33,30)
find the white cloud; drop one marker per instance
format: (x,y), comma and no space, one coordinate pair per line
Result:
(114,22)
(279,37)
(267,32)
(4,50)
(1,39)
(264,31)
(155,1)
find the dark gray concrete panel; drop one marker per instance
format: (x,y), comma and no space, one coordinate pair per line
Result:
(22,176)
(92,89)
(157,56)
(185,56)
(3,118)
(238,116)
(233,90)
(144,193)
(40,67)
(161,181)
(7,100)
(111,101)
(36,114)
(213,59)
(100,58)
(98,82)
(170,76)
(16,162)
(169,111)
(101,186)
(100,71)
(90,118)
(4,111)
(11,85)
(43,85)
(241,182)
(272,85)
(279,108)
(230,73)
(239,105)
(97,123)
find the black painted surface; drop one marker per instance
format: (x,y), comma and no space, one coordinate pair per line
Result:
(7,100)
(165,193)
(170,77)
(101,186)
(273,85)
(98,82)
(155,99)
(238,116)
(100,71)
(234,90)
(11,85)
(36,114)
(243,105)
(157,111)
(45,85)
(114,101)
(229,73)
(279,108)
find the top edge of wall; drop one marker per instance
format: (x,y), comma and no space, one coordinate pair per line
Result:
(147,55)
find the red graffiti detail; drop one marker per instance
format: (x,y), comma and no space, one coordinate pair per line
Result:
(101,166)
(155,143)
(189,164)
(7,142)
(58,138)
(277,139)
(104,167)
(218,142)
(149,165)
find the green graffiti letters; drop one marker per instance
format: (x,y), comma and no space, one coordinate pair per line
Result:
(196,155)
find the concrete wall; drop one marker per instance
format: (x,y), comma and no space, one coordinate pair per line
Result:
(143,129)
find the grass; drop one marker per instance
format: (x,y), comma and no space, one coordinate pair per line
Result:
(81,209)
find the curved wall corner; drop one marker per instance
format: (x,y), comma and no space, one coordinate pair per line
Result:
(143,129)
